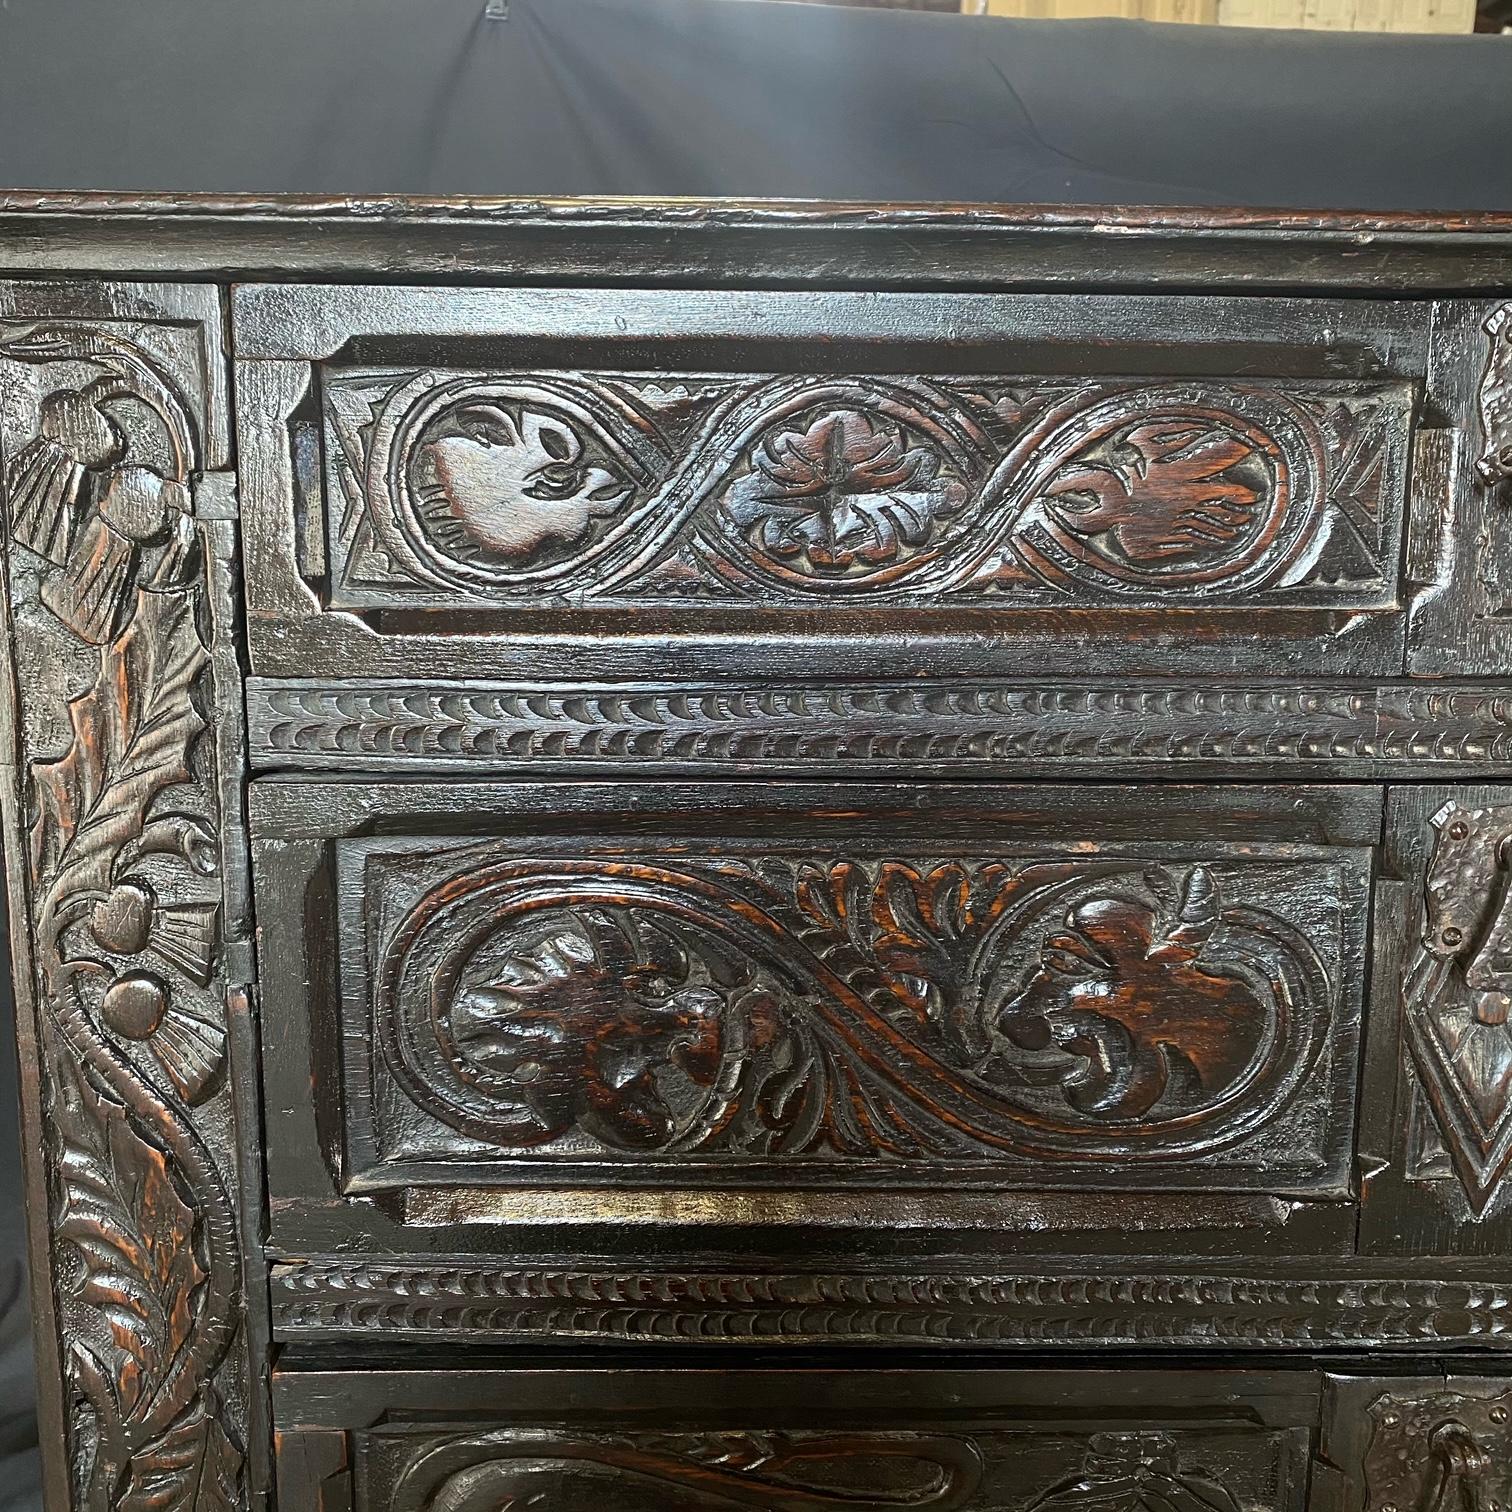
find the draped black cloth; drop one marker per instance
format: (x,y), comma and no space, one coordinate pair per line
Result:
(741,97)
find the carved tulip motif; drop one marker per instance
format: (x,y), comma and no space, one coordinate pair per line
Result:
(1164,490)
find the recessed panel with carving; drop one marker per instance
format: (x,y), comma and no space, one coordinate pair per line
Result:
(483,483)
(697,1009)
(586,487)
(803,1441)
(787,1001)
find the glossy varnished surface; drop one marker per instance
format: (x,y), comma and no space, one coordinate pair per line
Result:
(812,778)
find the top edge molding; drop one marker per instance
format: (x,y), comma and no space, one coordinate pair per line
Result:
(748,242)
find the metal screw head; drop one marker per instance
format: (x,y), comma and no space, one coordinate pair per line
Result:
(1452,935)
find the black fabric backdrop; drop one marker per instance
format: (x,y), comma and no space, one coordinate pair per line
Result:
(740,97)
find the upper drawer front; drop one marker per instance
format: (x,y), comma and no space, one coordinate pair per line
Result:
(473,481)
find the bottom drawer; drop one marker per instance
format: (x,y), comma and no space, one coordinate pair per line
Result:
(804,1440)
(796,1440)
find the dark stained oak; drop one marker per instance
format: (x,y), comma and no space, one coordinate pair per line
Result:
(753,855)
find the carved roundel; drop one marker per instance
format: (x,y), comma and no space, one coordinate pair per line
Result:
(1172,488)
(849,487)
(510,481)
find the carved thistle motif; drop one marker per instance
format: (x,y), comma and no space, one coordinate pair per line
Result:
(853,1008)
(1496,400)
(583,485)
(1440,1451)
(125,899)
(1458,994)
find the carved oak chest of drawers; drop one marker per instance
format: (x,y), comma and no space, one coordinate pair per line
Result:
(710,856)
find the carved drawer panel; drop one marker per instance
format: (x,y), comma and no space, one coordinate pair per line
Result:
(777,1004)
(439,480)
(665,1441)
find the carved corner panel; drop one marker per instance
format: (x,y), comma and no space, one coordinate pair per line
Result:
(575,487)
(945,1442)
(1439,1081)
(113,433)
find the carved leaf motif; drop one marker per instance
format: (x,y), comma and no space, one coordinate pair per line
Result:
(120,1210)
(194,1465)
(132,734)
(1165,492)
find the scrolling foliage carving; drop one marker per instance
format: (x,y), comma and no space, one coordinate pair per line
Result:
(855,1008)
(804,1472)
(124,874)
(1458,993)
(585,486)
(800,1472)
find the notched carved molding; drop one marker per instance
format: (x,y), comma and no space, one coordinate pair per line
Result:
(1458,996)
(1495,464)
(309,724)
(125,898)
(321,1296)
(1439,1451)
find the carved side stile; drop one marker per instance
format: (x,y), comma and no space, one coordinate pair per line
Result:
(110,425)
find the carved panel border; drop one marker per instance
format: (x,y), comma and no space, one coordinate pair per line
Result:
(113,426)
(687,487)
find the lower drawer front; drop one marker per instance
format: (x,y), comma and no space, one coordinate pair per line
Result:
(804,1440)
(797,1441)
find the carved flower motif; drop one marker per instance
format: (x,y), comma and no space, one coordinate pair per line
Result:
(846,492)
(506,486)
(1136,1472)
(594,1023)
(1164,490)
